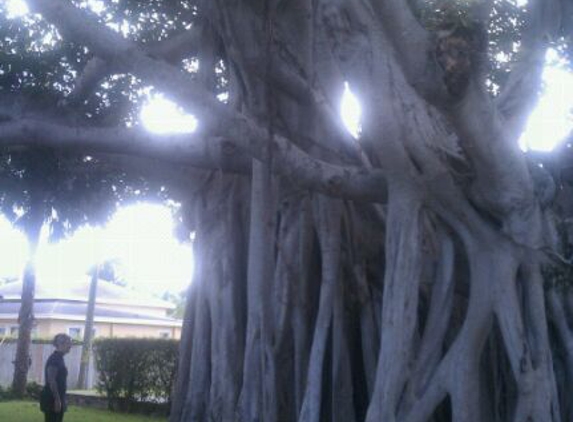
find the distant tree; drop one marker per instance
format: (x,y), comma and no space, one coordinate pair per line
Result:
(32,214)
(106,271)
(179,300)
(110,270)
(8,280)
(88,329)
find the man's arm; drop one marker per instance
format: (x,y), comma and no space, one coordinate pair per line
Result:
(52,371)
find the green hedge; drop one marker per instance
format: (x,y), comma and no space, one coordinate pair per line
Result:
(50,340)
(133,371)
(33,391)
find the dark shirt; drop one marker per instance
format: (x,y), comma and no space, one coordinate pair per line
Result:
(56,360)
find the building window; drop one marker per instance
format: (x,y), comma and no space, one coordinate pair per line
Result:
(75,333)
(14,331)
(2,331)
(34,332)
(165,334)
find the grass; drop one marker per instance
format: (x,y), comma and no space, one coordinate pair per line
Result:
(23,411)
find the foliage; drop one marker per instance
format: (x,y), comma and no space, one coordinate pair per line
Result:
(504,30)
(5,394)
(71,189)
(24,411)
(37,340)
(136,370)
(179,300)
(109,271)
(33,391)
(8,279)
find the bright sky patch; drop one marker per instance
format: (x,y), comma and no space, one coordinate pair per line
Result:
(350,111)
(16,8)
(139,236)
(552,120)
(160,115)
(13,250)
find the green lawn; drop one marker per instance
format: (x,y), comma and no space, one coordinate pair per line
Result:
(21,411)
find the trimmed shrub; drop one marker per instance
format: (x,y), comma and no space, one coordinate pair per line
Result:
(134,371)
(5,394)
(33,391)
(46,340)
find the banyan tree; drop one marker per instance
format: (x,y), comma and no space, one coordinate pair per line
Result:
(412,272)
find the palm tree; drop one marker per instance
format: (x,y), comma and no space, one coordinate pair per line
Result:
(106,271)
(88,331)
(26,313)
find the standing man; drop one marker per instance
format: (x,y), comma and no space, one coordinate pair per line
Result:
(53,398)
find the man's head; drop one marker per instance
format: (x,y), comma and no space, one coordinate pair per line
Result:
(62,343)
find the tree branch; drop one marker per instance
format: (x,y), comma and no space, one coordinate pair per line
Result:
(202,152)
(412,44)
(188,149)
(177,47)
(109,45)
(171,50)
(127,56)
(214,115)
(95,70)
(558,316)
(502,185)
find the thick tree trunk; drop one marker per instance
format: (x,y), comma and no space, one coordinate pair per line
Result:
(212,347)
(329,233)
(400,304)
(181,385)
(258,395)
